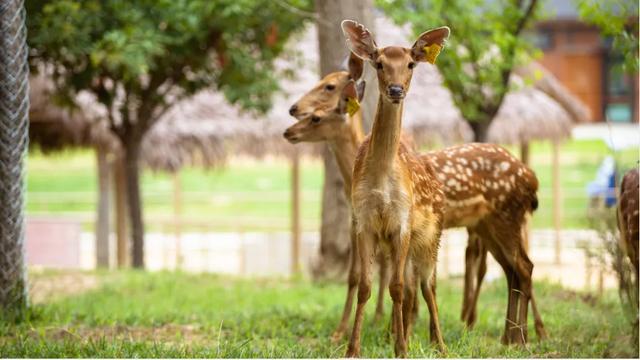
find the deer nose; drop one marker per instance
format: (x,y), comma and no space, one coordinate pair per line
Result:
(293,109)
(286,133)
(395,90)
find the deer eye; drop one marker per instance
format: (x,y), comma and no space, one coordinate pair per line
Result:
(379,65)
(330,87)
(412,65)
(315,119)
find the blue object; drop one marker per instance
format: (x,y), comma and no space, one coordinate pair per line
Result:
(605,182)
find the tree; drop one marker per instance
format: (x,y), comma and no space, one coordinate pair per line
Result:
(334,232)
(618,19)
(138,57)
(14,122)
(486,44)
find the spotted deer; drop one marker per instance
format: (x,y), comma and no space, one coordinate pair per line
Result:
(322,116)
(397,201)
(628,217)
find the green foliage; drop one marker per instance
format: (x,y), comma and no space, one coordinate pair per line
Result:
(618,19)
(149,48)
(484,46)
(161,314)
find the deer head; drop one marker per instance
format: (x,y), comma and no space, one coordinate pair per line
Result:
(322,111)
(394,64)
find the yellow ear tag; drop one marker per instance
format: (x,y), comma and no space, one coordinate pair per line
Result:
(431,52)
(352,106)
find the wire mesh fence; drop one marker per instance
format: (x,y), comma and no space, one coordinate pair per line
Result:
(14,105)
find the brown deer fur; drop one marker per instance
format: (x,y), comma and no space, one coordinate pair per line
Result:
(398,204)
(628,217)
(344,134)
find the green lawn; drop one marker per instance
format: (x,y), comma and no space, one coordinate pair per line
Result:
(254,195)
(139,314)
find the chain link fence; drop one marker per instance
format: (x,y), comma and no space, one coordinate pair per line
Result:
(14,111)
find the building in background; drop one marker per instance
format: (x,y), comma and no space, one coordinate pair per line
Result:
(585,62)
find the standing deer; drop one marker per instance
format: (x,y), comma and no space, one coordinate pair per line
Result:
(398,204)
(628,217)
(322,115)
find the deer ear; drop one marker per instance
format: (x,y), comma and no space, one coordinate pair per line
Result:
(356,66)
(429,44)
(359,39)
(349,99)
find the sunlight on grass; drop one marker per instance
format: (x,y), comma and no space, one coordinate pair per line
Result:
(138,314)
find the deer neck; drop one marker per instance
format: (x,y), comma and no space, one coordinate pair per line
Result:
(345,147)
(385,136)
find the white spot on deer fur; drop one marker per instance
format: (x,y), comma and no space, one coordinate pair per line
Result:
(468,171)
(451,182)
(501,197)
(442,177)
(447,169)
(449,163)
(474,165)
(512,179)
(495,186)
(520,172)
(504,166)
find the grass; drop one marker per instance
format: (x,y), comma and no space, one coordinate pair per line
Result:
(254,196)
(140,314)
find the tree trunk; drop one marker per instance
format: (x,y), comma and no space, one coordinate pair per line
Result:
(120,210)
(102,215)
(480,130)
(295,213)
(14,123)
(334,232)
(132,173)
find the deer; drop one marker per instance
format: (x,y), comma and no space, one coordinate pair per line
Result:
(322,116)
(628,218)
(397,201)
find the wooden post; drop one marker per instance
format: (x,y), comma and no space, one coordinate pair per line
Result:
(295,212)
(557,199)
(102,208)
(120,210)
(525,158)
(177,216)
(524,153)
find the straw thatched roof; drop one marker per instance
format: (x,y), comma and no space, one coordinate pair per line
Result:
(53,127)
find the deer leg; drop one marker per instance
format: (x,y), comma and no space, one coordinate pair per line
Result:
(432,323)
(481,271)
(512,303)
(399,250)
(429,296)
(524,269)
(539,325)
(354,278)
(409,298)
(415,310)
(384,280)
(365,248)
(470,260)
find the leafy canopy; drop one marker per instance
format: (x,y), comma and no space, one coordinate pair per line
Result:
(484,46)
(618,19)
(152,48)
